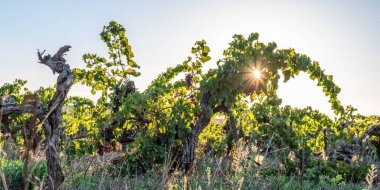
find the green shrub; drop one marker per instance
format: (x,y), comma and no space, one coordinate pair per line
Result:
(13,172)
(315,168)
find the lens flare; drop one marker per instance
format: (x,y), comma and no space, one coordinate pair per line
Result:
(257,74)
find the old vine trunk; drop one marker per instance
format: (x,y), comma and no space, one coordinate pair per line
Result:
(53,120)
(50,118)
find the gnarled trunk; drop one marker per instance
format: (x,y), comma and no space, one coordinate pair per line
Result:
(53,120)
(190,140)
(190,143)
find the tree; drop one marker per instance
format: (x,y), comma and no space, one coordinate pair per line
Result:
(110,77)
(50,118)
(170,110)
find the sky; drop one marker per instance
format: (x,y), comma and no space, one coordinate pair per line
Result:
(344,36)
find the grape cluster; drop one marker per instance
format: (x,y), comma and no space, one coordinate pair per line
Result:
(189,79)
(129,87)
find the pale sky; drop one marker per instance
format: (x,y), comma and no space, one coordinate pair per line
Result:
(344,36)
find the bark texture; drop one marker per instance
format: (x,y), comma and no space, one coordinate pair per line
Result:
(51,119)
(373,131)
(190,141)
(53,123)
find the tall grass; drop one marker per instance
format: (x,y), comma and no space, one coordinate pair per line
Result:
(243,172)
(13,173)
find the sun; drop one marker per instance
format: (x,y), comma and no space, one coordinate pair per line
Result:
(257,74)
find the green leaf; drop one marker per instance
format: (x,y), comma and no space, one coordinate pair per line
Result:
(112,81)
(194,50)
(287,121)
(292,52)
(132,72)
(129,71)
(133,64)
(253,96)
(206,49)
(205,59)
